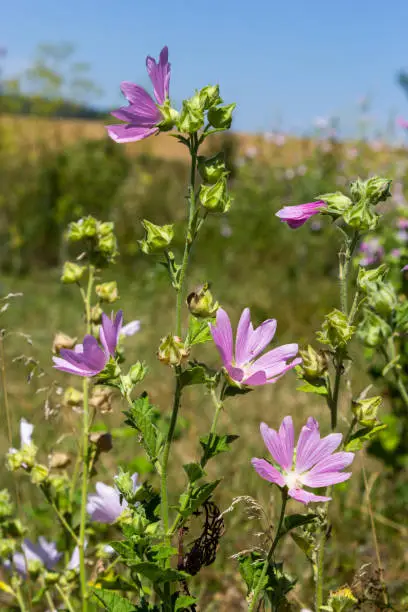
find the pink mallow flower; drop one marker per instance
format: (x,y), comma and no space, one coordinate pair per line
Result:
(106,505)
(405,268)
(89,358)
(142,115)
(243,365)
(313,464)
(295,216)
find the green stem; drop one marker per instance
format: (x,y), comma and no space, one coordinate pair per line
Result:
(262,577)
(189,234)
(85,452)
(65,523)
(64,598)
(320,570)
(20,599)
(166,453)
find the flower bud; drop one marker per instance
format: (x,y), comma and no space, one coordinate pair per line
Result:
(314,363)
(158,237)
(96,315)
(342,600)
(14,461)
(27,454)
(361,216)
(373,330)
(125,486)
(72,272)
(201,302)
(367,278)
(63,341)
(336,330)
(357,189)
(72,397)
(210,96)
(75,231)
(192,115)
(383,299)
(137,372)
(220,117)
(34,567)
(214,197)
(110,372)
(105,229)
(102,440)
(89,227)
(101,399)
(58,461)
(39,474)
(378,190)
(365,410)
(107,292)
(337,203)
(108,246)
(7,547)
(51,578)
(170,117)
(212,169)
(172,351)
(6,505)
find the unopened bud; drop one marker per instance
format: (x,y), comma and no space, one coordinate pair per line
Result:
(212,169)
(336,330)
(34,568)
(337,203)
(357,189)
(62,341)
(170,117)
(108,246)
(192,115)
(214,197)
(210,96)
(172,351)
(96,315)
(378,189)
(6,505)
(137,372)
(102,441)
(51,578)
(89,227)
(72,397)
(59,460)
(39,474)
(367,278)
(314,363)
(158,237)
(107,292)
(373,330)
(220,117)
(106,228)
(201,302)
(383,299)
(7,547)
(361,216)
(72,272)
(125,485)
(365,410)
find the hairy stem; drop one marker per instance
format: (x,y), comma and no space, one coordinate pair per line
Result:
(5,394)
(85,452)
(64,598)
(260,583)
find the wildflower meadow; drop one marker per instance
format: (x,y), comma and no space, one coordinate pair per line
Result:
(204,383)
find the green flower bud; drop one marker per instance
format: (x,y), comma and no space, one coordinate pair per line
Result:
(337,203)
(365,410)
(361,216)
(158,237)
(172,351)
(192,115)
(14,461)
(210,96)
(35,568)
(110,372)
(383,299)
(7,547)
(314,363)
(51,578)
(342,600)
(75,231)
(105,229)
(108,246)
(373,330)
(39,474)
(378,190)
(15,529)
(96,315)
(72,397)
(212,169)
(137,372)
(72,272)
(170,117)
(27,455)
(201,302)
(214,197)
(89,227)
(6,505)
(336,330)
(107,292)
(357,189)
(124,484)
(220,117)
(366,279)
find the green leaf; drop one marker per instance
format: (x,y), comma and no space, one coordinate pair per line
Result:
(141,417)
(364,434)
(250,568)
(303,543)
(125,550)
(213,445)
(297,520)
(184,602)
(113,602)
(157,574)
(197,375)
(194,471)
(308,387)
(163,551)
(190,502)
(233,390)
(198,331)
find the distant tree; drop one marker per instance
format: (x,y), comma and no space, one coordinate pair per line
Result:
(402,78)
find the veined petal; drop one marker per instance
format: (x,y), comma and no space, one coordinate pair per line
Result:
(260,338)
(109,332)
(129,133)
(65,366)
(222,336)
(333,463)
(132,116)
(159,74)
(273,443)
(324,448)
(324,479)
(287,438)
(93,356)
(268,472)
(244,330)
(309,438)
(140,100)
(280,368)
(255,380)
(280,353)
(305,497)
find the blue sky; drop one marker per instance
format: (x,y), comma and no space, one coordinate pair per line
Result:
(284,63)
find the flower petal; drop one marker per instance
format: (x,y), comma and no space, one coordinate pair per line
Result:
(159,75)
(305,497)
(129,133)
(309,438)
(276,355)
(255,380)
(324,479)
(325,447)
(109,332)
(268,472)
(260,338)
(26,432)
(222,336)
(244,330)
(130,328)
(333,463)
(139,99)
(273,443)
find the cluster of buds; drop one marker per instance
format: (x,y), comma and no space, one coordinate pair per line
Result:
(358,211)
(157,238)
(366,410)
(213,192)
(336,330)
(381,306)
(99,237)
(172,351)
(206,106)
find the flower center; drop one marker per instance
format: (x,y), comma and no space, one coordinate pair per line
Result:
(292,480)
